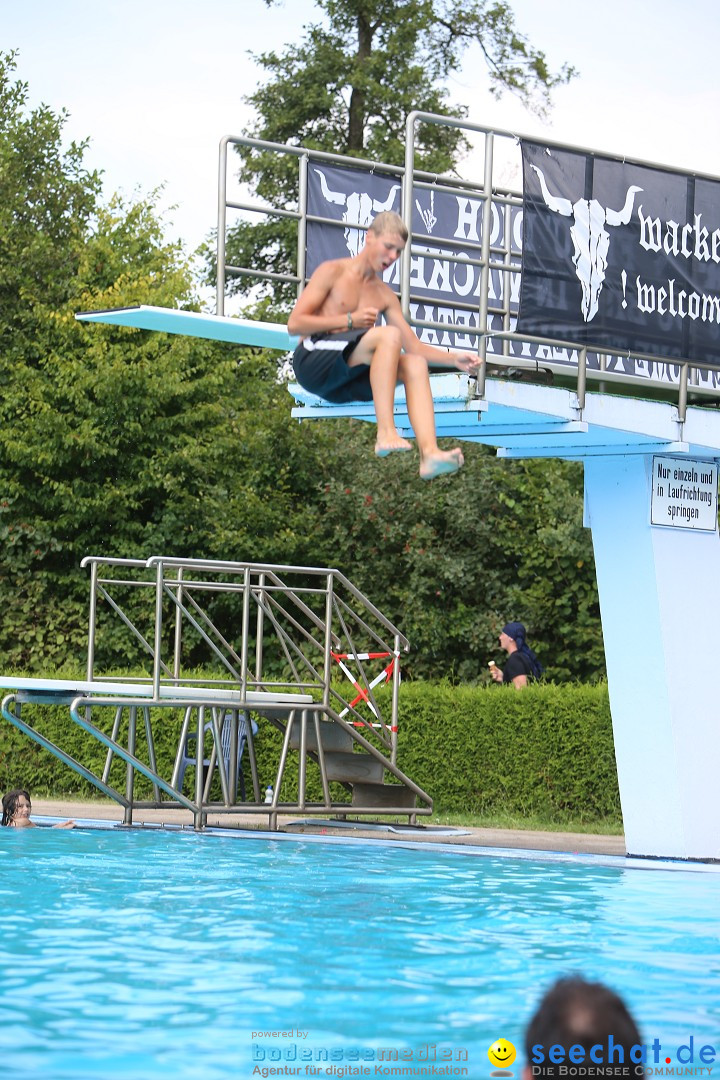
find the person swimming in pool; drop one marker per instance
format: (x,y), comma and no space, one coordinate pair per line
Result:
(584,1022)
(16,810)
(344,356)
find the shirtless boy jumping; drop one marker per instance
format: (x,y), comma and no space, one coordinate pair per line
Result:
(344,356)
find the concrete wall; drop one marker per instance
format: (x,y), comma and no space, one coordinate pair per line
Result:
(660,601)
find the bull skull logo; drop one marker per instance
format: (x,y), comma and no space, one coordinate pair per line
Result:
(590,238)
(360,209)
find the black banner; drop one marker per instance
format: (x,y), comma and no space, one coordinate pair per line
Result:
(350,196)
(446,223)
(619,255)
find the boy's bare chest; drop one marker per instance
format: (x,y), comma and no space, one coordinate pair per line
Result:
(350,292)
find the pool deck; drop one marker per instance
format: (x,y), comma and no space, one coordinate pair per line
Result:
(577,843)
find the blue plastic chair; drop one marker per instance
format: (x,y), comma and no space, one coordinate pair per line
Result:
(188,758)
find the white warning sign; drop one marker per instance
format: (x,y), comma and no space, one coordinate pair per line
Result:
(684,494)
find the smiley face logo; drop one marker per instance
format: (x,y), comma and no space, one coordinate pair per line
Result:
(501,1053)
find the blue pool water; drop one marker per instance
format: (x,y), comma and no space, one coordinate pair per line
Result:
(151,954)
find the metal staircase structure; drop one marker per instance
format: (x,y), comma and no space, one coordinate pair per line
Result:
(228,640)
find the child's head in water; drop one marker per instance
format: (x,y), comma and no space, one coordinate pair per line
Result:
(16,806)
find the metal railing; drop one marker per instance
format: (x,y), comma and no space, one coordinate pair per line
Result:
(224,640)
(580,362)
(282,629)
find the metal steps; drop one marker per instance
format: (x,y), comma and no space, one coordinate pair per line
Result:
(357,769)
(354,768)
(333,737)
(383,796)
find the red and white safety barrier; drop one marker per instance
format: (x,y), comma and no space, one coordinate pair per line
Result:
(363,692)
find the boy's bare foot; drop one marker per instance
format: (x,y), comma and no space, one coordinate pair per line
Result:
(441,463)
(393,445)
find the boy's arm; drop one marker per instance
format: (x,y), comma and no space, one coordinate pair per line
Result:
(463,361)
(304,318)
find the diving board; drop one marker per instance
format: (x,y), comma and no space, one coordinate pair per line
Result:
(195,324)
(34,689)
(520,419)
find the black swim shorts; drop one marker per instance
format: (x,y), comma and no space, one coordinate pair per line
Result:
(321,367)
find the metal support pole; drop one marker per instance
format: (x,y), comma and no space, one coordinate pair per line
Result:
(130,773)
(485,258)
(394,707)
(327,657)
(407,193)
(302,224)
(178,626)
(92,620)
(245,631)
(582,378)
(507,278)
(260,630)
(199,766)
(302,764)
(602,361)
(222,225)
(683,393)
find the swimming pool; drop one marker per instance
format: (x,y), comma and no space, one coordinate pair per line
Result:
(148,953)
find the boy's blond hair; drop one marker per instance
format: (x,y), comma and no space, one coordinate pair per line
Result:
(389,222)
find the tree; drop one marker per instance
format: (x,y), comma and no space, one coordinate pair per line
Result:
(349,85)
(114,441)
(451,562)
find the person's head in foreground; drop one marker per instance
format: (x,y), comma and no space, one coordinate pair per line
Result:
(16,808)
(581,1025)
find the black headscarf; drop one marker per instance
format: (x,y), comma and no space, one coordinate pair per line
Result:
(516,631)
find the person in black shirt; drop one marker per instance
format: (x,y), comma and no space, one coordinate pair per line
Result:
(522,663)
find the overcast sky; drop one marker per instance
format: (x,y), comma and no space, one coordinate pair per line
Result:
(156,84)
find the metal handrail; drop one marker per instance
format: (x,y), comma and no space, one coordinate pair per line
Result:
(491,133)
(412,179)
(306,635)
(280,568)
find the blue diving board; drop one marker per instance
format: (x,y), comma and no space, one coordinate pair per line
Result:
(523,420)
(519,419)
(196,324)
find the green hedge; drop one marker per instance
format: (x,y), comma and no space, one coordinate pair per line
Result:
(546,751)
